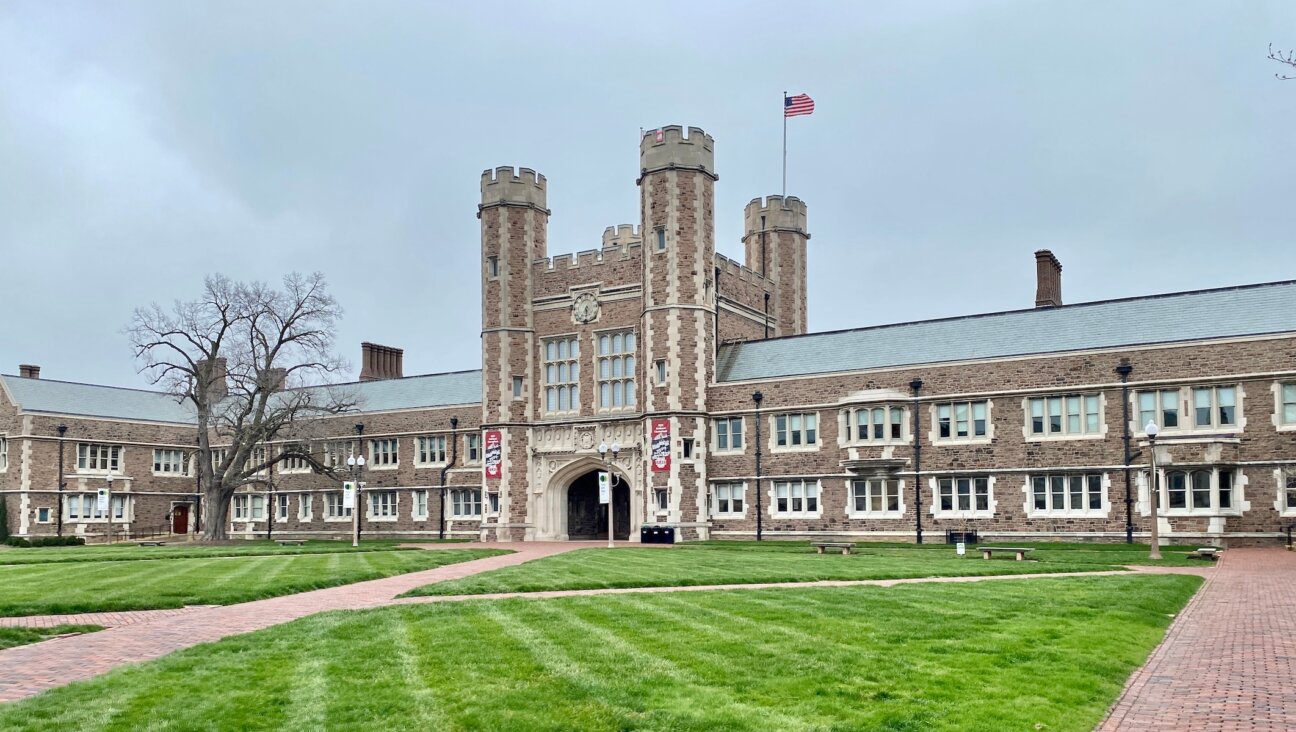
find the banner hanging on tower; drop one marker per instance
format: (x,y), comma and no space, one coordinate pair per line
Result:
(494,454)
(661,437)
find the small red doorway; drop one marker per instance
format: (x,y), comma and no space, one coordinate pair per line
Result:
(180,519)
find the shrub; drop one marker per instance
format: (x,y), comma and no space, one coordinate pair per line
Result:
(18,541)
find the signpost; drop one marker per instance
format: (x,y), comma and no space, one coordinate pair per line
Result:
(605,496)
(348,496)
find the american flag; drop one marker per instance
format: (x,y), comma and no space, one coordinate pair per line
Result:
(799,104)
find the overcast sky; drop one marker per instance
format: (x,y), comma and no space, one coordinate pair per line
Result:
(144,145)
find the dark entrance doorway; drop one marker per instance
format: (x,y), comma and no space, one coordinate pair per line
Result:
(587,518)
(180,518)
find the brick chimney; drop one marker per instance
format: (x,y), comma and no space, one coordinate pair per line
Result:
(217,372)
(28,371)
(1048,280)
(274,378)
(381,362)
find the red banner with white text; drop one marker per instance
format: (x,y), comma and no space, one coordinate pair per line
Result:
(661,438)
(494,454)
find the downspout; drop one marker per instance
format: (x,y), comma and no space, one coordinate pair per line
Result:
(757,397)
(767,315)
(916,386)
(454,454)
(1124,370)
(62,430)
(716,324)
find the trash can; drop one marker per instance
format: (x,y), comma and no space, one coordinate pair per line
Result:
(657,534)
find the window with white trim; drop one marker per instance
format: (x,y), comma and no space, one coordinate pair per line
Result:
(876,424)
(796,498)
(218,458)
(4,453)
(962,420)
(968,497)
(493,502)
(249,508)
(562,375)
(472,448)
(518,385)
(492,266)
(1066,494)
(336,453)
(430,450)
(293,458)
(796,430)
(384,453)
(728,499)
(1070,415)
(661,239)
(170,462)
(616,370)
(333,506)
(1286,491)
(43,515)
(85,507)
(304,506)
(281,506)
(1286,410)
(96,458)
(728,434)
(420,504)
(465,503)
(256,460)
(382,505)
(1190,408)
(1201,490)
(876,497)
(661,500)
(659,369)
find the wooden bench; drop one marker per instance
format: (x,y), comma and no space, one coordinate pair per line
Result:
(290,542)
(151,543)
(988,551)
(845,546)
(1206,552)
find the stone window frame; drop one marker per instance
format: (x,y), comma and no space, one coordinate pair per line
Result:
(336,452)
(1065,433)
(461,497)
(805,445)
(661,373)
(119,501)
(972,512)
(519,388)
(729,433)
(659,239)
(1237,491)
(243,508)
(1031,510)
(805,512)
(115,459)
(256,456)
(390,512)
(45,510)
(492,267)
(1186,409)
(305,508)
(558,386)
(281,508)
(972,438)
(472,445)
(849,422)
(218,455)
(661,500)
(869,481)
(421,449)
(1285,489)
(627,358)
(292,460)
(186,464)
(386,448)
(729,486)
(333,509)
(4,452)
(492,507)
(419,498)
(1281,423)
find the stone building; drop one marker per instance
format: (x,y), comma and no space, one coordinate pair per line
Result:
(690,378)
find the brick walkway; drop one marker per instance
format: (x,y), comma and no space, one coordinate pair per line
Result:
(1229,660)
(105,620)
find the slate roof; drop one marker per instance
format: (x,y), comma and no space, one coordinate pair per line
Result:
(90,400)
(1185,316)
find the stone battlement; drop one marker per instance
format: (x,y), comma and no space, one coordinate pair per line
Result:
(786,214)
(611,267)
(522,186)
(732,269)
(621,236)
(670,147)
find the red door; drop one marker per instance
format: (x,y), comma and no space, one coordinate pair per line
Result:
(180,519)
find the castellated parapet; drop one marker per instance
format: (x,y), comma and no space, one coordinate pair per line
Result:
(781,214)
(669,147)
(621,236)
(520,187)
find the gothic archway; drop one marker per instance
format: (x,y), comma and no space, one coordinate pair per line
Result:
(587,518)
(555,509)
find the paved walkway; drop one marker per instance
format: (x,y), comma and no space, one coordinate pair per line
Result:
(1229,660)
(105,620)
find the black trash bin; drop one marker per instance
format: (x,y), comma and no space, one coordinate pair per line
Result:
(657,535)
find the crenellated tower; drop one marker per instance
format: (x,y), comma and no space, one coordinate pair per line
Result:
(677,203)
(774,239)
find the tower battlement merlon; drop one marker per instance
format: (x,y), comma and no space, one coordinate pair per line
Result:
(775,213)
(621,236)
(506,186)
(670,148)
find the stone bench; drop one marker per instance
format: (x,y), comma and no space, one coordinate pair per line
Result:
(845,546)
(290,542)
(151,543)
(1019,551)
(1206,552)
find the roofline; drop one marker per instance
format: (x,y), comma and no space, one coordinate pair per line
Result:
(398,378)
(82,383)
(1012,312)
(297,388)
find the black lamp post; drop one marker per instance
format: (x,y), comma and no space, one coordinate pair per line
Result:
(758,397)
(1152,431)
(603,449)
(356,462)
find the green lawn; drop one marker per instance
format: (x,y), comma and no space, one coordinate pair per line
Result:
(10,637)
(74,587)
(739,563)
(1045,654)
(130,551)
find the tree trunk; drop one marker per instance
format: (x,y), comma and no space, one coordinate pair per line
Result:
(216,513)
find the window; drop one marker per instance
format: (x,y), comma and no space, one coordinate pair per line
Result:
(293,459)
(686,448)
(796,430)
(337,452)
(962,420)
(494,502)
(431,450)
(1214,406)
(1192,408)
(95,458)
(420,504)
(333,506)
(661,240)
(728,434)
(170,462)
(281,507)
(517,387)
(218,458)
(729,498)
(562,374)
(661,500)
(1066,494)
(1286,412)
(382,505)
(1286,491)
(1161,407)
(4,453)
(492,266)
(659,368)
(616,370)
(1197,491)
(796,498)
(85,507)
(472,448)
(966,497)
(1065,416)
(241,508)
(42,515)
(465,503)
(304,507)
(875,424)
(384,453)
(876,496)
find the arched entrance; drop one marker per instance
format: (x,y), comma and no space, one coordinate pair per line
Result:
(587,518)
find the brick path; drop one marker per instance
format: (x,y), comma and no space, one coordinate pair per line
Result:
(1229,660)
(106,620)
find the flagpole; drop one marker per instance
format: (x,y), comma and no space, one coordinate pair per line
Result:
(785,144)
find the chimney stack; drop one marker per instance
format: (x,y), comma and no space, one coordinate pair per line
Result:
(28,371)
(381,362)
(275,379)
(216,374)
(1048,280)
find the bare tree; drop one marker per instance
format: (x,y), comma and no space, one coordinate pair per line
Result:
(253,361)
(1289,59)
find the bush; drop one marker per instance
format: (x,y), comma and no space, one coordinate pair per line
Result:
(18,541)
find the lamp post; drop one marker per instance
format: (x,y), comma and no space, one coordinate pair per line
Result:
(356,463)
(1152,431)
(603,449)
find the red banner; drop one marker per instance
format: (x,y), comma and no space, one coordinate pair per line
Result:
(661,447)
(494,454)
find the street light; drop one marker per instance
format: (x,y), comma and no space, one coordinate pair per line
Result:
(356,463)
(1152,430)
(603,451)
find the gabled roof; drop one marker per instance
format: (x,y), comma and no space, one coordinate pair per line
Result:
(1184,316)
(413,392)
